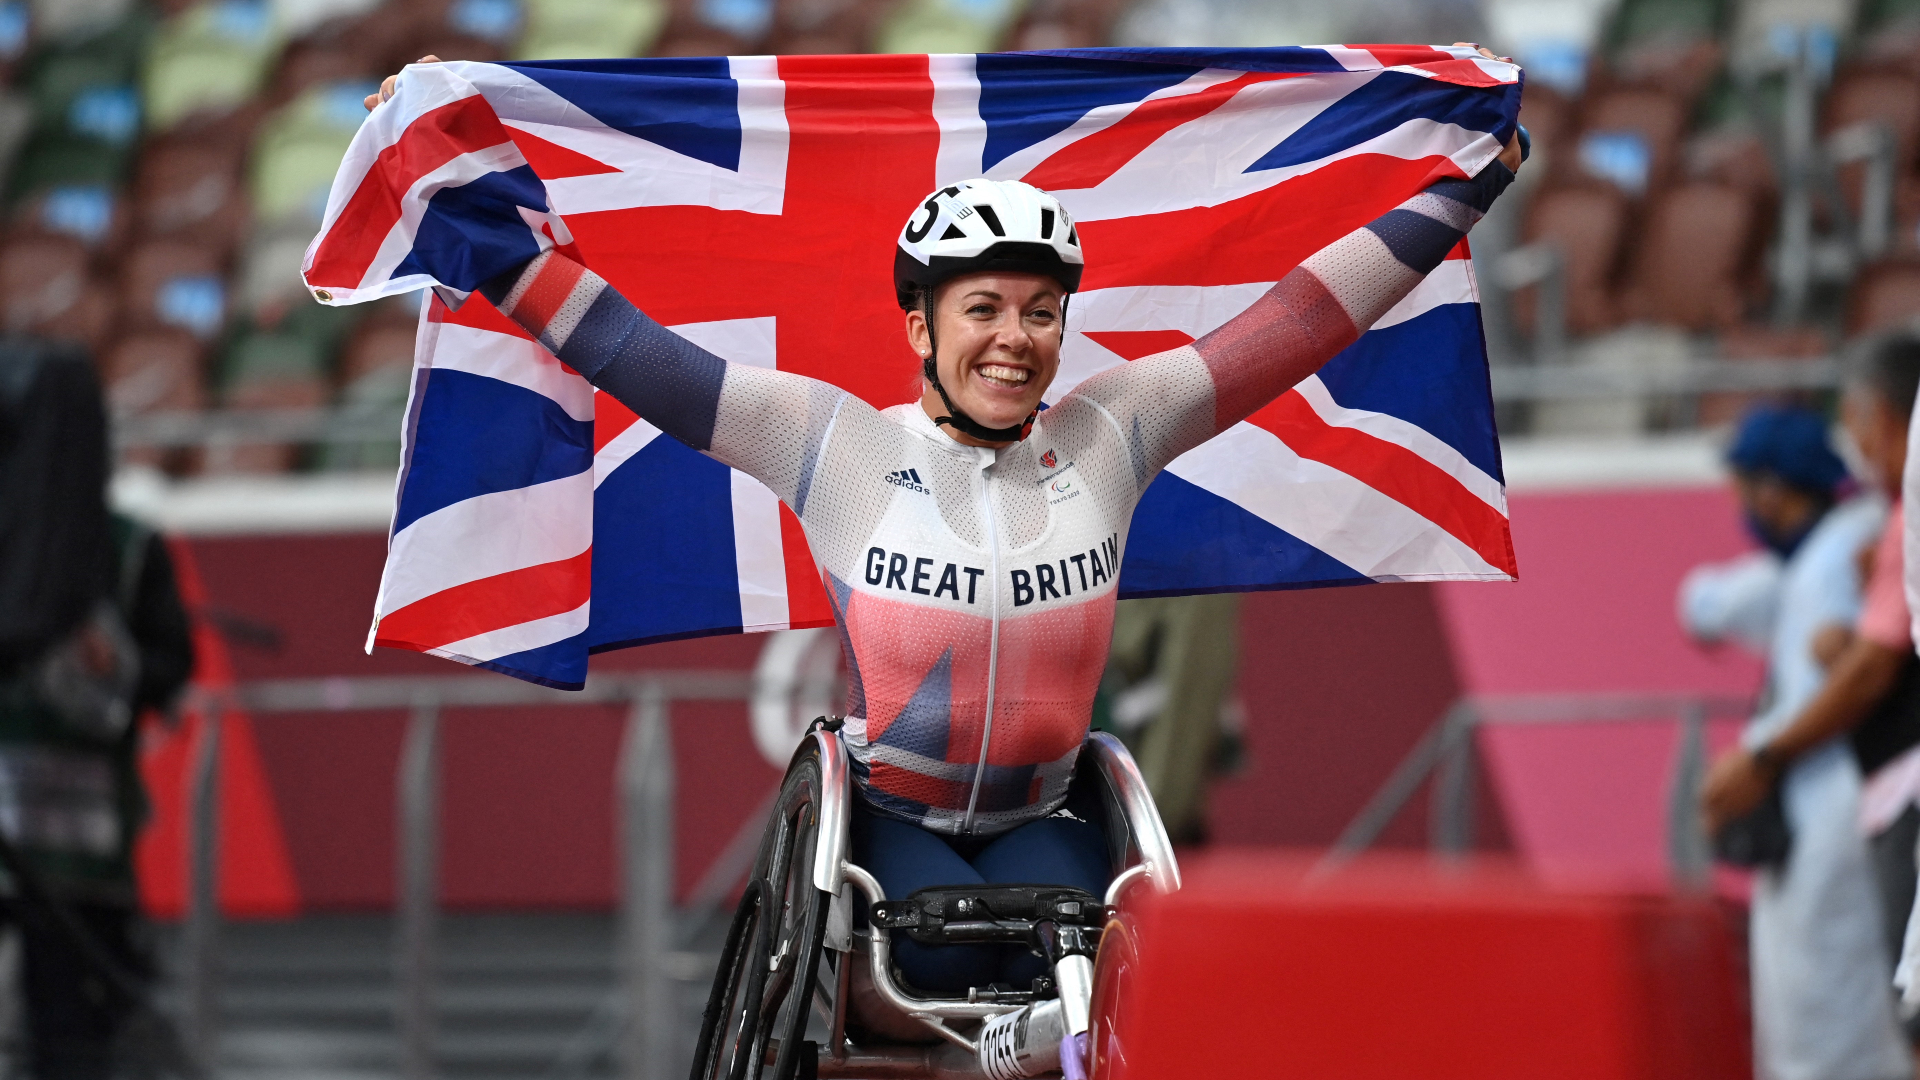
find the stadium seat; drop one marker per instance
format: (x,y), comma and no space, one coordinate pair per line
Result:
(946,26)
(1063,24)
(1890,97)
(297,150)
(47,288)
(267,370)
(191,189)
(155,371)
(590,29)
(1885,295)
(213,56)
(173,283)
(1549,119)
(94,214)
(1694,263)
(377,344)
(1656,115)
(1587,222)
(1396,968)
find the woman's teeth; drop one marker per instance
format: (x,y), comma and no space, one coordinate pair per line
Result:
(1001,375)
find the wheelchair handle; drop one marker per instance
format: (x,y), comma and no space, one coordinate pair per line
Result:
(1157,861)
(836,808)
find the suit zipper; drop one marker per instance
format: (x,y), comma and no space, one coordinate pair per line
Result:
(993,644)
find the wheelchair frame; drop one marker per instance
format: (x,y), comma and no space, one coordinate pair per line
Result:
(1140,851)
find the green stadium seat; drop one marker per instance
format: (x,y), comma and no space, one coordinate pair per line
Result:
(214,56)
(298,149)
(590,29)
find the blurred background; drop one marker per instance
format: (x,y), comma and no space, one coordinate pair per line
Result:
(357,868)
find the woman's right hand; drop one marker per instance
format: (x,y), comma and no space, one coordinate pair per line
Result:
(386,85)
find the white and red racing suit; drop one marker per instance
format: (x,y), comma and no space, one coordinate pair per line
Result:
(974,588)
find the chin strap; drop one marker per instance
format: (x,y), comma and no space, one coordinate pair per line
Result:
(957,419)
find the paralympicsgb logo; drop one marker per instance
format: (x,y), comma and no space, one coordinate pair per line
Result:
(909,479)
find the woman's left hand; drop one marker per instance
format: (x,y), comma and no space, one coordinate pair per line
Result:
(1734,785)
(1510,157)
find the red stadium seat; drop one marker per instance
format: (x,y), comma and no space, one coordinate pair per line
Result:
(1588,222)
(1697,256)
(1397,967)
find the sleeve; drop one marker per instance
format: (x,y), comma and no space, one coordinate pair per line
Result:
(1910,515)
(1167,404)
(161,630)
(1883,614)
(768,424)
(1736,600)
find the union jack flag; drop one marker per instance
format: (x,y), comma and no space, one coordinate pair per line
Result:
(751,204)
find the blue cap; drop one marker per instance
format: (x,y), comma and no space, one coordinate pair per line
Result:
(1790,442)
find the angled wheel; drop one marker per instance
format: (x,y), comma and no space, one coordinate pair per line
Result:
(755,1022)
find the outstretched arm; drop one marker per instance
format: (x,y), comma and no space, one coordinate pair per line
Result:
(765,423)
(1172,402)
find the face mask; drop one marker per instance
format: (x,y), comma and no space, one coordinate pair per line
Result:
(1783,546)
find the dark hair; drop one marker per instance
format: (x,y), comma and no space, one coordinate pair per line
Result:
(1889,365)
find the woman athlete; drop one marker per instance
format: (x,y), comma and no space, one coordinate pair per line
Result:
(969,542)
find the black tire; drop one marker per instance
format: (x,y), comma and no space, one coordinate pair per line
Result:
(763,989)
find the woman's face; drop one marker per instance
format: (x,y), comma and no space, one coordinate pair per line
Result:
(999,338)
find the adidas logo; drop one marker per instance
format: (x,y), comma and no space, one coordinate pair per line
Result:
(909,479)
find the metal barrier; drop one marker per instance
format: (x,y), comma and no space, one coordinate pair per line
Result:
(645,808)
(1445,753)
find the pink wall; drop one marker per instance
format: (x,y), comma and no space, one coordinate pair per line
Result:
(1594,606)
(1338,685)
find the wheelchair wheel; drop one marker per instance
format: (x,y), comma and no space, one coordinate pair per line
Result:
(755,1022)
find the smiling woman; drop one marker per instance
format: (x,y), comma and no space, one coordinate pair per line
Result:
(971,544)
(1001,335)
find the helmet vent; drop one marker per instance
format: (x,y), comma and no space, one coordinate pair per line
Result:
(1073,236)
(1046,223)
(992,219)
(953,233)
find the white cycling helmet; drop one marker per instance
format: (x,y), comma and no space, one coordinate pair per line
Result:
(978,225)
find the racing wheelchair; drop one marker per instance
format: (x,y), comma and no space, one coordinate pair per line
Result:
(802,992)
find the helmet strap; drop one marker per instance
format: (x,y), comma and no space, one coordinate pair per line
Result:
(958,420)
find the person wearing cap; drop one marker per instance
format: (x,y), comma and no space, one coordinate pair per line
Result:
(1819,961)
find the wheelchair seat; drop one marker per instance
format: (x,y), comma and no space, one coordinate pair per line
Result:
(803,991)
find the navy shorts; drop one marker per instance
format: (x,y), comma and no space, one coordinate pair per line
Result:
(1058,850)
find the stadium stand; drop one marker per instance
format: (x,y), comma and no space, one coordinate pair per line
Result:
(167,160)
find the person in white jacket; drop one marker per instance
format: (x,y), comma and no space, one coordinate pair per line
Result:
(1821,1006)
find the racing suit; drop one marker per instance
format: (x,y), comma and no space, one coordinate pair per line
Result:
(974,588)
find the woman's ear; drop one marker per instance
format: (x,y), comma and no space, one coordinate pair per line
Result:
(917,333)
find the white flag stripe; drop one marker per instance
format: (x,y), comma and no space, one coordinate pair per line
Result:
(956,108)
(398,243)
(759,556)
(621,447)
(1356,524)
(517,638)
(1452,282)
(1024,160)
(743,341)
(651,174)
(487,535)
(1412,437)
(1351,58)
(1165,169)
(517,360)
(430,86)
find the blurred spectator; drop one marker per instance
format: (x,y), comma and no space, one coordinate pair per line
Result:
(1171,666)
(1819,960)
(91,635)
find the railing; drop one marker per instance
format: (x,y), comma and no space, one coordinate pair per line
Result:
(648,962)
(1446,753)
